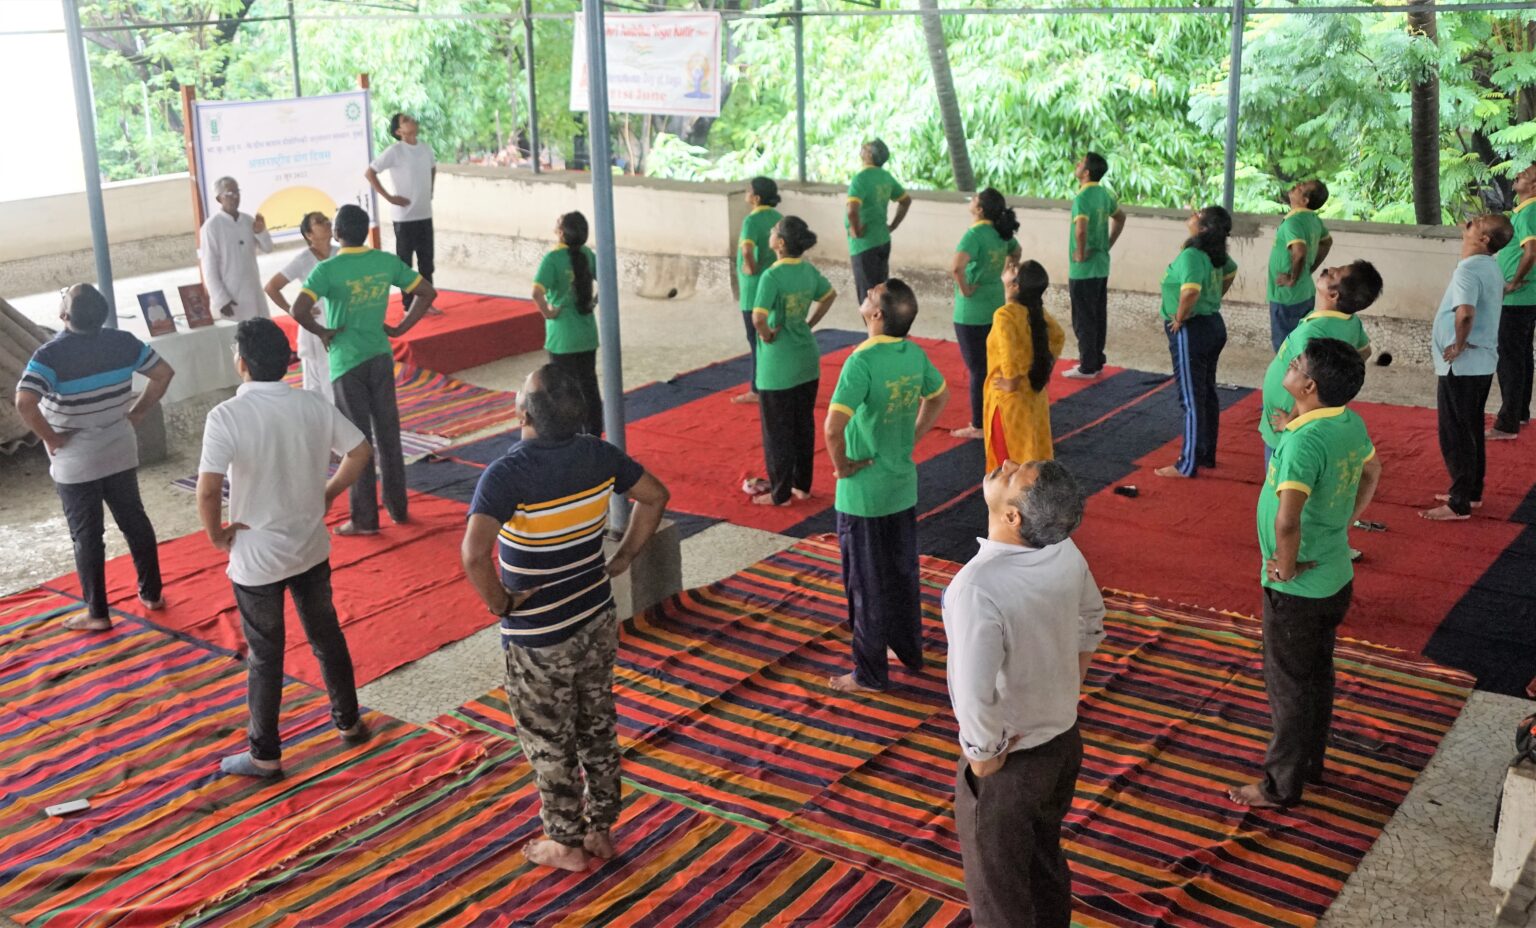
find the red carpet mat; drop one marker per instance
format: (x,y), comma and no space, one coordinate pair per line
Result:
(755,795)
(135,721)
(473,329)
(400,594)
(702,449)
(1194,541)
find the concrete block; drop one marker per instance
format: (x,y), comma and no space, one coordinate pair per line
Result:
(1516,837)
(152,438)
(656,574)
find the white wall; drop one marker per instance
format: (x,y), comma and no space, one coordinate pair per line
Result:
(700,221)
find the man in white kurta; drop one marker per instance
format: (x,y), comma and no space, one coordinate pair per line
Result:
(230,240)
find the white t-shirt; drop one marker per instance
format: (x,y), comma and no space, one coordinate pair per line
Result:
(275,443)
(410,176)
(298,267)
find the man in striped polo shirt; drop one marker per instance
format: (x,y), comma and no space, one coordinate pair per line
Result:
(540,513)
(76,394)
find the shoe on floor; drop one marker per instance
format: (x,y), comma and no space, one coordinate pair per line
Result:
(357,734)
(1077,373)
(243,764)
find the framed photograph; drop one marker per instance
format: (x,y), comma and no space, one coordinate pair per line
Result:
(157,315)
(194,302)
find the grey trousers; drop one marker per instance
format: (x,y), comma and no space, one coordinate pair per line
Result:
(366,396)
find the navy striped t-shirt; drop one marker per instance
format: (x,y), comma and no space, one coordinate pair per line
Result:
(551,499)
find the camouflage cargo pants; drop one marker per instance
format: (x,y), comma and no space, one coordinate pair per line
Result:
(562,699)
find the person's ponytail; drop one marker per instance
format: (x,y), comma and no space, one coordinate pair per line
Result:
(573,234)
(996,210)
(1029,291)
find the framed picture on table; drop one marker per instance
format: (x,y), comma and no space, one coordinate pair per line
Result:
(194,302)
(157,315)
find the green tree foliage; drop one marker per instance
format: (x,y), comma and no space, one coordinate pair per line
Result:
(1322,95)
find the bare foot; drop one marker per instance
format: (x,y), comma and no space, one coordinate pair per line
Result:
(87,623)
(1170,471)
(1252,796)
(745,399)
(547,853)
(800,494)
(347,528)
(847,684)
(968,433)
(1446,498)
(1443,514)
(766,499)
(600,845)
(1500,435)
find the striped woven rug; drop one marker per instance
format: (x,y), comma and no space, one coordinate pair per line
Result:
(724,709)
(135,720)
(442,406)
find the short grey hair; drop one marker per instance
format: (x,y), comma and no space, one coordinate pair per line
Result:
(222,183)
(878,152)
(1052,508)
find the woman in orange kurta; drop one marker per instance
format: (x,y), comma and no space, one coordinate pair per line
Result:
(1021,350)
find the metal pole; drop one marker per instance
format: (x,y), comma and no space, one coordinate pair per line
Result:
(1234,95)
(293,50)
(602,234)
(800,88)
(533,90)
(86,116)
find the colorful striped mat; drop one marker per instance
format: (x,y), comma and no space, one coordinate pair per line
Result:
(442,406)
(724,709)
(135,721)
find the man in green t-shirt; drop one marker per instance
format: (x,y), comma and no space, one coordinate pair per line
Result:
(1517,324)
(355,285)
(1301,246)
(869,238)
(1320,480)
(1342,292)
(1097,222)
(888,395)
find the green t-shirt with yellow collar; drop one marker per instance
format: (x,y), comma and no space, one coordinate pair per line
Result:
(1192,270)
(1322,454)
(984,271)
(1319,324)
(785,295)
(355,283)
(1524,221)
(872,189)
(1300,226)
(572,331)
(754,231)
(1093,205)
(880,389)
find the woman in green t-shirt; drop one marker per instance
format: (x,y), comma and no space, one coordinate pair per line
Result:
(563,290)
(978,272)
(753,255)
(1191,310)
(792,297)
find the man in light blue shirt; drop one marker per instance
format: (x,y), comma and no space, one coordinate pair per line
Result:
(1465,352)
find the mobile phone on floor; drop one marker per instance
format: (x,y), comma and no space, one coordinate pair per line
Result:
(65,808)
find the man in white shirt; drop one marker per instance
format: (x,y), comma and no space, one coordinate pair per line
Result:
(275,444)
(1023,619)
(413,173)
(230,240)
(316,229)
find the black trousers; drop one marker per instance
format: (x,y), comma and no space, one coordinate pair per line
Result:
(583,366)
(973,351)
(789,437)
(1195,350)
(82,511)
(879,556)
(261,617)
(751,350)
(366,396)
(1090,321)
(1009,825)
(869,268)
(1298,679)
(1460,402)
(1517,330)
(414,240)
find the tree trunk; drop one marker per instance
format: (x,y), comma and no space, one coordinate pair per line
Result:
(1425,129)
(949,104)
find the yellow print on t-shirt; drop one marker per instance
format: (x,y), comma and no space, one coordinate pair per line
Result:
(368,289)
(903,393)
(796,305)
(1352,468)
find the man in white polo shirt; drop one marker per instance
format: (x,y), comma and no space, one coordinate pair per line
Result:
(413,173)
(275,444)
(1023,619)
